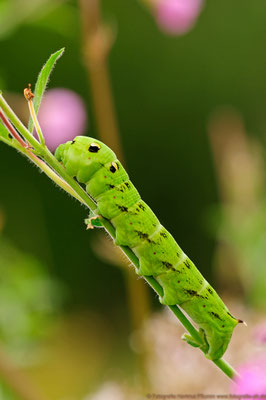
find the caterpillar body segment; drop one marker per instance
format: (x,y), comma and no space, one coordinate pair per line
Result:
(112,203)
(137,227)
(104,180)
(144,221)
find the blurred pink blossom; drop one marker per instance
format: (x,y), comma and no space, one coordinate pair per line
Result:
(259,333)
(252,379)
(177,17)
(62,116)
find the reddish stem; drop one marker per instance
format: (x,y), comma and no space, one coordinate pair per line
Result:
(12,130)
(16,136)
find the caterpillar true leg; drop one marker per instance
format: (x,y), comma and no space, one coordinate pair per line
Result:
(93,222)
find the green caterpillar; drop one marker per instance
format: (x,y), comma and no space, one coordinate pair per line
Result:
(96,165)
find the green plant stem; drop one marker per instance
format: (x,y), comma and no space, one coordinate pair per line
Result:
(53,176)
(226,368)
(36,122)
(56,166)
(12,131)
(19,125)
(21,146)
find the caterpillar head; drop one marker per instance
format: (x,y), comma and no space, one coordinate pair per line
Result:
(80,144)
(84,156)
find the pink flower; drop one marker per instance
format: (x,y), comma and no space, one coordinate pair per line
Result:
(62,116)
(259,333)
(177,17)
(252,379)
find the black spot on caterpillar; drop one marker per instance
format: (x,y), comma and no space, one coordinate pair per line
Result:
(142,235)
(163,234)
(122,208)
(114,167)
(167,264)
(191,292)
(215,315)
(94,148)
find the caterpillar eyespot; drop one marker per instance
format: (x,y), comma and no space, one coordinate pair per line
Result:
(137,227)
(114,167)
(94,148)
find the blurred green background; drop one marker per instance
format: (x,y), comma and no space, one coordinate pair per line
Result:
(165,88)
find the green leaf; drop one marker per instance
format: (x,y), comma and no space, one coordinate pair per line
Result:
(42,81)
